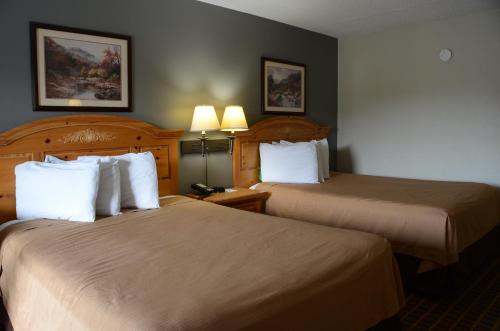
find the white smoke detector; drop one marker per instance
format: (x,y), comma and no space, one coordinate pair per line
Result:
(445,55)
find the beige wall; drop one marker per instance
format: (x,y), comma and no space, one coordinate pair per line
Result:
(404,113)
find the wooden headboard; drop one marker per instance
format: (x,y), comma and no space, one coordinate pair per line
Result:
(246,160)
(68,137)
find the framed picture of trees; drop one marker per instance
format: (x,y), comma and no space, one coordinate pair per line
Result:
(283,87)
(80,70)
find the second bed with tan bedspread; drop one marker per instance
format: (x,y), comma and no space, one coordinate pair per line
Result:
(192,265)
(431,220)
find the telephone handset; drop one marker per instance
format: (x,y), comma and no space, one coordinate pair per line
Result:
(202,189)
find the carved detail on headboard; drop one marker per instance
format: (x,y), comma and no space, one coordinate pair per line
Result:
(246,160)
(68,137)
(87,136)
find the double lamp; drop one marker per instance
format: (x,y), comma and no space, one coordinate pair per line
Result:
(205,119)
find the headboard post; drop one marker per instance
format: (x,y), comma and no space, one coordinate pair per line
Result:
(68,137)
(246,160)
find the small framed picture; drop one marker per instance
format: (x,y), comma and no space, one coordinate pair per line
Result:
(283,87)
(80,70)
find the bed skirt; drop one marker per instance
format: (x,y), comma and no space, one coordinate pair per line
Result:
(450,278)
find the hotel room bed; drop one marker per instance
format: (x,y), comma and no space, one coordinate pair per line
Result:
(192,265)
(432,220)
(431,223)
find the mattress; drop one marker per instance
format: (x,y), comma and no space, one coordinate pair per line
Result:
(193,265)
(431,220)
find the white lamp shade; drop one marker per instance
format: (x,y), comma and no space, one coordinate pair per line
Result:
(234,119)
(204,119)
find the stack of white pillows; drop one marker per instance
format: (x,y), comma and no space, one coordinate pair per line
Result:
(302,162)
(89,186)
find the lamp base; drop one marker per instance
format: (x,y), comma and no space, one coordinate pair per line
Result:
(231,143)
(203,139)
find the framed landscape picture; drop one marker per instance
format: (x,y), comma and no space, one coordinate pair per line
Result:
(80,70)
(283,87)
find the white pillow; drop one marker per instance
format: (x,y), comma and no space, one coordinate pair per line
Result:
(297,163)
(321,179)
(325,156)
(109,194)
(57,191)
(138,178)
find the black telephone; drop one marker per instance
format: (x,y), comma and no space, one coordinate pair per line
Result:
(206,190)
(202,189)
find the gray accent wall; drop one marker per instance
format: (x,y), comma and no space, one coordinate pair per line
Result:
(184,53)
(405,113)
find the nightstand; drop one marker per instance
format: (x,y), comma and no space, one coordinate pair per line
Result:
(240,198)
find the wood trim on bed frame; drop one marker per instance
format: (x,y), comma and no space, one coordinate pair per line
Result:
(246,160)
(68,137)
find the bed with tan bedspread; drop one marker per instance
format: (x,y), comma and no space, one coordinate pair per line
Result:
(192,265)
(431,220)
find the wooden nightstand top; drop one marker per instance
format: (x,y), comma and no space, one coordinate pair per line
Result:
(240,194)
(241,198)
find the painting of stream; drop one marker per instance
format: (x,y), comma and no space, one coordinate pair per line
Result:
(284,87)
(82,70)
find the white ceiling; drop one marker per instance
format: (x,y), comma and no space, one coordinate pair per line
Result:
(339,18)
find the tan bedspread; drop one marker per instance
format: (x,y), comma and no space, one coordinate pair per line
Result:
(193,265)
(432,220)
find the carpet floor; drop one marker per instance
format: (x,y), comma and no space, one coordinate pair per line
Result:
(475,307)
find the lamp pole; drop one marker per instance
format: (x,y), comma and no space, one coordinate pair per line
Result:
(231,142)
(204,153)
